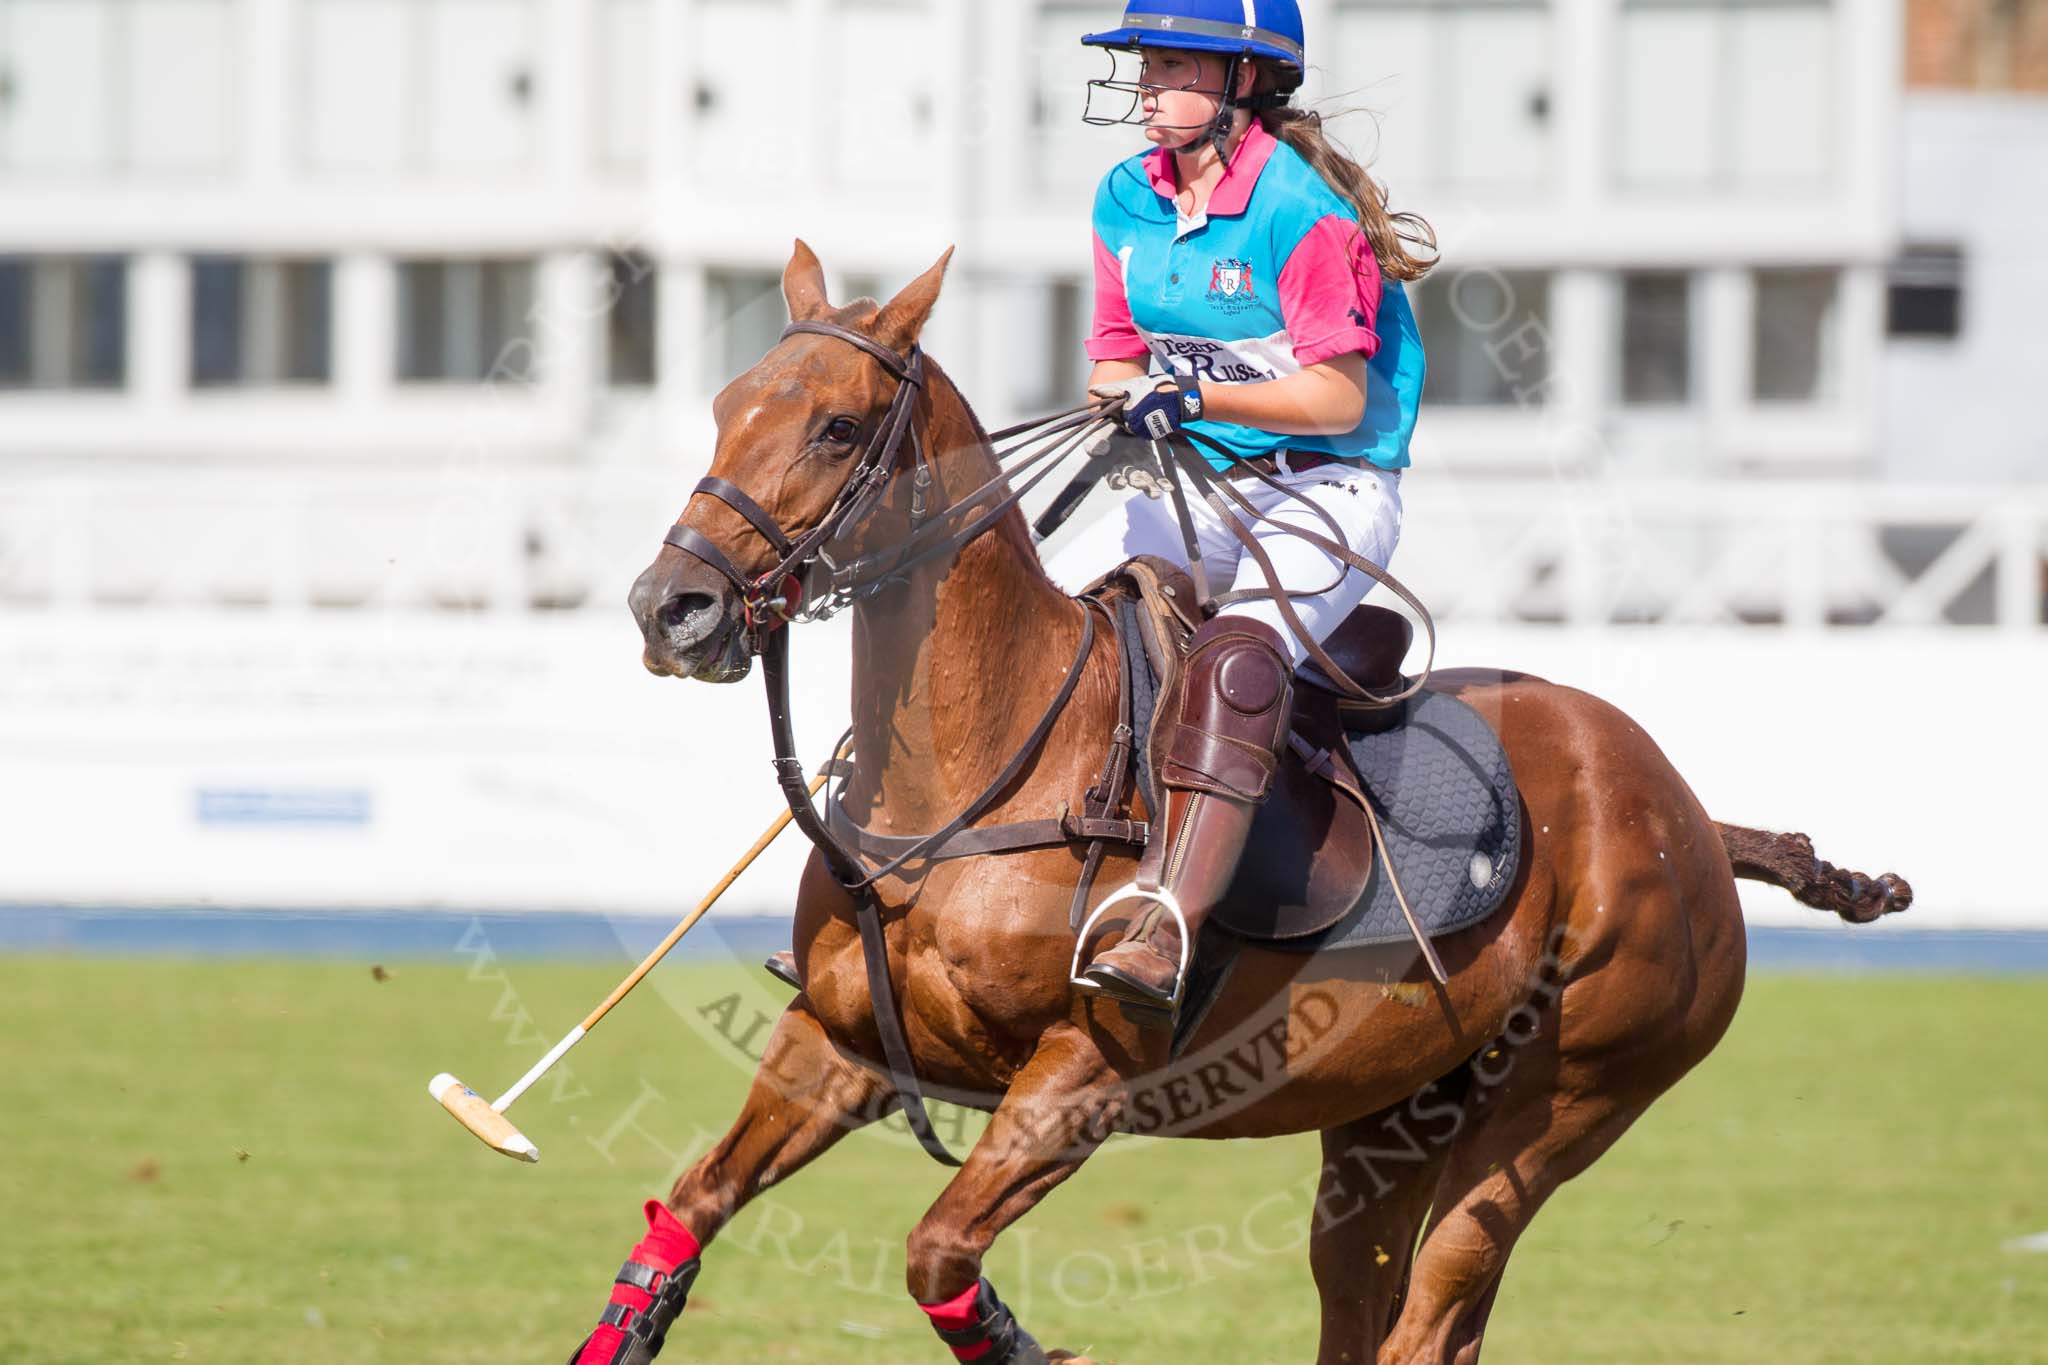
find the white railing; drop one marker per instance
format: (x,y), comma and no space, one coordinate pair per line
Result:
(1800,554)
(1575,551)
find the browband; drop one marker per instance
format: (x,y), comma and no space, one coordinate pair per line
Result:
(895,364)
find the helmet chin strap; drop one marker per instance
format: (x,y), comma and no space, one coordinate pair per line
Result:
(1226,112)
(1227,107)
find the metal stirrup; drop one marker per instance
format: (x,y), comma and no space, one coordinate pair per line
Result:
(1166,901)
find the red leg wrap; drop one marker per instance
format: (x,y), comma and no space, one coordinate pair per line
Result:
(957,1314)
(668,1244)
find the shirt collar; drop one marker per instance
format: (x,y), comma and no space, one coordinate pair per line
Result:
(1234,191)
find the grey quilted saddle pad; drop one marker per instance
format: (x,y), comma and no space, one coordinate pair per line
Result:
(1447,803)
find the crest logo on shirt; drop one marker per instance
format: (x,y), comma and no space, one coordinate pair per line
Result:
(1230,284)
(1230,277)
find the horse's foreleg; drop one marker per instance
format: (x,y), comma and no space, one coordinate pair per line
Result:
(1058,1110)
(804,1098)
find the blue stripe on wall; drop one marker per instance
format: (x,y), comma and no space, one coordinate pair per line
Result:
(377,935)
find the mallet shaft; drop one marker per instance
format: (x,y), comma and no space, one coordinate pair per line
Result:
(647,964)
(540,1068)
(675,935)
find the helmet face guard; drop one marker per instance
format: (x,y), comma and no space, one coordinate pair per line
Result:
(1119,97)
(1114,100)
(1227,28)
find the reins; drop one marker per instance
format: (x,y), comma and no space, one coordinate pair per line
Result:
(1215,491)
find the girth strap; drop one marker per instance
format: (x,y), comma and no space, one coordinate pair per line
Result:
(975,843)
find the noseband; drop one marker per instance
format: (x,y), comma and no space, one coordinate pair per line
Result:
(775,597)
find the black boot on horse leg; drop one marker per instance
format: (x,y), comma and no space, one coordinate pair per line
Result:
(977,1326)
(1215,746)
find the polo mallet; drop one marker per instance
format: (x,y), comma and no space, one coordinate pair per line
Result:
(488,1121)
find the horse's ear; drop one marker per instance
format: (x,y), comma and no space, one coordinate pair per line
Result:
(902,318)
(803,284)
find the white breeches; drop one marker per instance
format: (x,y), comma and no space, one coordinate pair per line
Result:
(1362,499)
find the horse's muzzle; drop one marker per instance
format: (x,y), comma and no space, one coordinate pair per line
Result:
(689,629)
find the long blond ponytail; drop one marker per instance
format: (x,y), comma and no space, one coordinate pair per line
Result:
(1405,243)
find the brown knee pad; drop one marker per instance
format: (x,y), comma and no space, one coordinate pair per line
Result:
(1227,719)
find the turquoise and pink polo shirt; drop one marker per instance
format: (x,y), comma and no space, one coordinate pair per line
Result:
(1275,276)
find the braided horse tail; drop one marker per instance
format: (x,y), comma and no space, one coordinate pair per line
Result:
(1788,860)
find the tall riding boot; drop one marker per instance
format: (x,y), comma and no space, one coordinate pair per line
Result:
(1215,745)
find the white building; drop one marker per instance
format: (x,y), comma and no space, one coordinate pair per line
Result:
(324,323)
(299,231)
(1970,341)
(408,243)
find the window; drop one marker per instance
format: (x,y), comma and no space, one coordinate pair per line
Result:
(464,320)
(744,314)
(403,85)
(883,131)
(60,111)
(1462,87)
(63,322)
(260,321)
(16,349)
(1726,94)
(1066,151)
(1048,318)
(1793,352)
(630,322)
(625,88)
(1656,338)
(179,87)
(92,86)
(745,130)
(1486,336)
(1924,297)
(478,88)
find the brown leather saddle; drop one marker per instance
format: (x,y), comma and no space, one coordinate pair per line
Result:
(1310,854)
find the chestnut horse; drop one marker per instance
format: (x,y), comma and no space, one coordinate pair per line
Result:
(1612,969)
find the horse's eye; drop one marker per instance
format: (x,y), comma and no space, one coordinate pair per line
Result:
(842,430)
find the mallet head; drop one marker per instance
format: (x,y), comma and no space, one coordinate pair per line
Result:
(490,1126)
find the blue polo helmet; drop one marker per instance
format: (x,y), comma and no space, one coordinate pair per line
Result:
(1254,28)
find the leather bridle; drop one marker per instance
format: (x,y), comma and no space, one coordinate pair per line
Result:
(771,599)
(805,583)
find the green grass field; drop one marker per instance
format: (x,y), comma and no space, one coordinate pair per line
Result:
(238,1162)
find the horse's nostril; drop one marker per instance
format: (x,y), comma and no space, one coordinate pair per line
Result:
(682,608)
